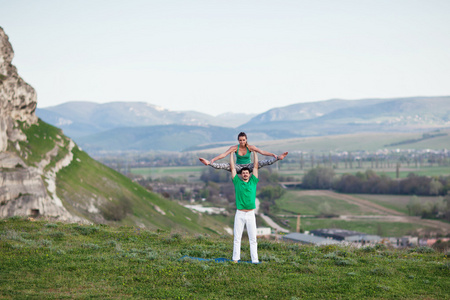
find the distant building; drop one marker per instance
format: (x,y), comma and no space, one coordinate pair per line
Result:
(431,242)
(308,239)
(347,235)
(263,231)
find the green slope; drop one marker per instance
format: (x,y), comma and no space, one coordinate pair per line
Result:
(95,192)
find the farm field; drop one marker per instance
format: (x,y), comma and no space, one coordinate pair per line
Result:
(386,214)
(288,169)
(383,228)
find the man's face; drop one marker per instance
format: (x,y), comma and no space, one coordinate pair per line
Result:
(245,175)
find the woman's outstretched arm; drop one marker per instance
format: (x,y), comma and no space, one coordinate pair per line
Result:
(262,152)
(230,150)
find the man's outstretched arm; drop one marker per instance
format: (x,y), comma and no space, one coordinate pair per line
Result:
(232,166)
(255,164)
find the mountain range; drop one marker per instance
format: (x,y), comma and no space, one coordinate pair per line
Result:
(121,126)
(81,118)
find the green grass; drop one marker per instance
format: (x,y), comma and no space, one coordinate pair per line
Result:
(44,260)
(395,202)
(376,227)
(290,202)
(41,139)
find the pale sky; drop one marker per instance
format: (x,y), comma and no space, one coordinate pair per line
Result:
(217,56)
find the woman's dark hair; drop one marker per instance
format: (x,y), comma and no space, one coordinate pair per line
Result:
(242,134)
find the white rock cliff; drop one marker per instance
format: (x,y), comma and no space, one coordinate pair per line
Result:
(22,188)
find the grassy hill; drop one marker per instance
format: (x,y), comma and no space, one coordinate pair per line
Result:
(44,260)
(99,194)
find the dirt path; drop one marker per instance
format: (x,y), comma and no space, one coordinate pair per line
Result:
(268,220)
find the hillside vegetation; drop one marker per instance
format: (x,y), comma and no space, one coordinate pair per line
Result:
(97,193)
(44,260)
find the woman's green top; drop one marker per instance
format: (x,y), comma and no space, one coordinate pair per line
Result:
(243,159)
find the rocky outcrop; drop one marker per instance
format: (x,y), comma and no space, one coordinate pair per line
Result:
(17,98)
(23,191)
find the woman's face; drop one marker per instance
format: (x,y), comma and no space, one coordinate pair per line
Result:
(242,140)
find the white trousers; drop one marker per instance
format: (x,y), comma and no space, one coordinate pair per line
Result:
(241,219)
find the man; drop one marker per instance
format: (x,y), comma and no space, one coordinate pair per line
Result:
(245,190)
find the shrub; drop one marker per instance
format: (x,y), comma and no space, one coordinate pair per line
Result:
(423,249)
(441,246)
(86,230)
(345,262)
(58,236)
(116,211)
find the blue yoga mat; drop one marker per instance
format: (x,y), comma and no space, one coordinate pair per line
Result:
(219,260)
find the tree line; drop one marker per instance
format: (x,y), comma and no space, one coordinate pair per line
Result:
(369,182)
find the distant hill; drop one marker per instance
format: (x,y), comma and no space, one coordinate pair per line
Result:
(80,118)
(143,127)
(156,138)
(343,116)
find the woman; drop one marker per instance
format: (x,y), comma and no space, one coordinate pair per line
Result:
(242,151)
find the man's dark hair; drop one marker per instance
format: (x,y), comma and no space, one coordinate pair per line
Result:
(245,168)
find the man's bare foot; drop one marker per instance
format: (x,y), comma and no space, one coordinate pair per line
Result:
(282,156)
(204,161)
(235,261)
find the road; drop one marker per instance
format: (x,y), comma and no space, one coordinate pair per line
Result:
(268,220)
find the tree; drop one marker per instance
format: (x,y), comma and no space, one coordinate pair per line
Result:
(435,187)
(325,209)
(271,193)
(319,178)
(414,206)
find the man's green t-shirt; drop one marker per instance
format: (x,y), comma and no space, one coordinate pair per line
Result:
(245,192)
